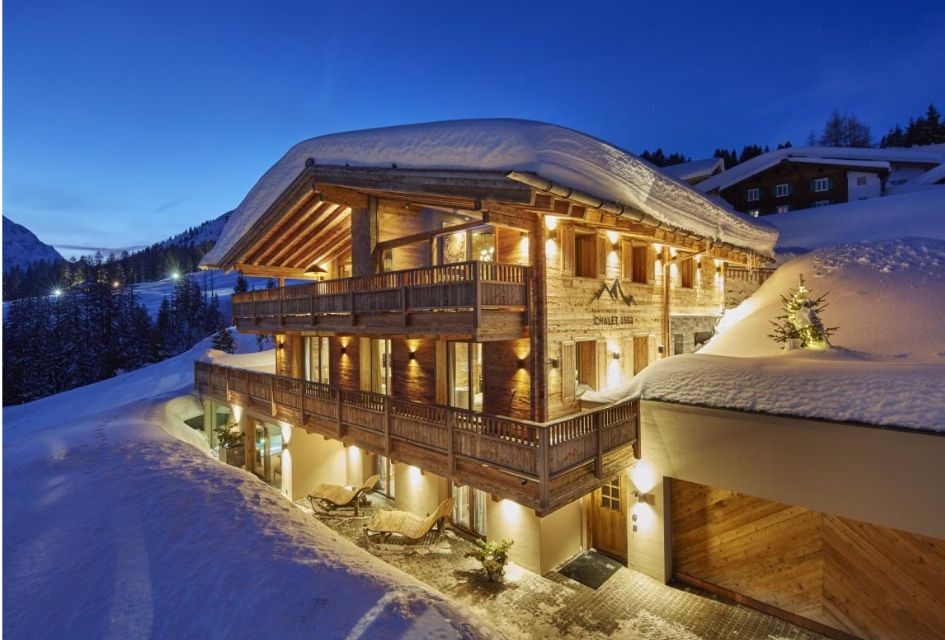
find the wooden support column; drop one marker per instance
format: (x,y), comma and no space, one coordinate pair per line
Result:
(363,239)
(544,474)
(248,427)
(667,273)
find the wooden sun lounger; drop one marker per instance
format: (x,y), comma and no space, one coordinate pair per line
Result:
(333,496)
(388,522)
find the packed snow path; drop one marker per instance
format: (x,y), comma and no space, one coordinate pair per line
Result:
(115,529)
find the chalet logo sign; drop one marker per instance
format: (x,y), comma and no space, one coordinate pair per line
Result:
(615,292)
(617,295)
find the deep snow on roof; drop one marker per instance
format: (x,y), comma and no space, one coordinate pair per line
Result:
(561,155)
(931,154)
(695,168)
(918,214)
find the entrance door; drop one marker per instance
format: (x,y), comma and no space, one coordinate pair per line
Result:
(641,353)
(267,461)
(607,519)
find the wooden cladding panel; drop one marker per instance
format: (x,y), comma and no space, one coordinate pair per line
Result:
(343,367)
(862,579)
(506,387)
(567,366)
(414,380)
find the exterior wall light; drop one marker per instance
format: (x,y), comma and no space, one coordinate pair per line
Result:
(521,363)
(616,355)
(344,350)
(412,355)
(554,362)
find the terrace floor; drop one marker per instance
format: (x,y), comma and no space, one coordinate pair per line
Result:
(527,605)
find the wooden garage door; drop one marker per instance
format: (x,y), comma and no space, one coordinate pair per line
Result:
(859,578)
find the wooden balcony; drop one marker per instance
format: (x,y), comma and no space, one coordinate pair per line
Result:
(467,300)
(542,466)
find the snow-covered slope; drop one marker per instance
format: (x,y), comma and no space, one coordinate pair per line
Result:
(208,231)
(562,155)
(114,529)
(918,214)
(22,248)
(887,299)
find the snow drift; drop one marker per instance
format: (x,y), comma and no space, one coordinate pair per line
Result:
(555,153)
(114,529)
(887,299)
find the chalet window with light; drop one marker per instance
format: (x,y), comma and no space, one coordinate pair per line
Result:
(687,271)
(316,359)
(753,194)
(782,208)
(610,495)
(822,203)
(821,184)
(782,190)
(754,213)
(585,255)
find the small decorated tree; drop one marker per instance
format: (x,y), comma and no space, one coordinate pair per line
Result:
(223,340)
(493,556)
(800,325)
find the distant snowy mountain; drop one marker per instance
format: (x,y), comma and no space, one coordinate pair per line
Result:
(22,248)
(208,231)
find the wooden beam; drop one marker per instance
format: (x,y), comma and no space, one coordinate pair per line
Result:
(342,195)
(290,242)
(317,251)
(264,254)
(425,235)
(303,246)
(264,271)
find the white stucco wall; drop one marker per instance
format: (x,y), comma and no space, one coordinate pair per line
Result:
(310,459)
(885,477)
(873,187)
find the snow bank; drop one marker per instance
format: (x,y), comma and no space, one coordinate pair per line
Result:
(918,214)
(888,300)
(555,153)
(114,529)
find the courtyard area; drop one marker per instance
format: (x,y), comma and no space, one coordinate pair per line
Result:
(527,605)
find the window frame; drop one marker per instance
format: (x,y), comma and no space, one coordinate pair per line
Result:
(753,191)
(782,190)
(821,182)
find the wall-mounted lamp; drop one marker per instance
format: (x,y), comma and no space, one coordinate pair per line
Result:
(554,362)
(616,356)
(280,345)
(344,350)
(643,497)
(659,349)
(615,247)
(412,355)
(521,363)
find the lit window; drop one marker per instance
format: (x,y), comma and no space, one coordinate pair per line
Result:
(754,212)
(821,184)
(782,208)
(753,194)
(782,190)
(822,203)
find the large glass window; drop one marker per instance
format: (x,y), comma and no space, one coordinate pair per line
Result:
(381,366)
(383,468)
(316,359)
(483,245)
(267,461)
(465,375)
(469,509)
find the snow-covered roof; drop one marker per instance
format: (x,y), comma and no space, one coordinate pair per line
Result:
(932,176)
(887,300)
(564,156)
(931,154)
(918,213)
(695,169)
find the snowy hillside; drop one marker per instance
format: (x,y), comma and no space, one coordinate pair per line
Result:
(918,214)
(208,231)
(22,248)
(888,300)
(115,529)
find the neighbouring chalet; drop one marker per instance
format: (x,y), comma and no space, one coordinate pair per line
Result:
(464,283)
(696,171)
(799,178)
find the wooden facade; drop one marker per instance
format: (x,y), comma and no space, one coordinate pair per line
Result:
(840,576)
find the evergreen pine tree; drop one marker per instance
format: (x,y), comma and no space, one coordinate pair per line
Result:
(241,286)
(800,324)
(223,340)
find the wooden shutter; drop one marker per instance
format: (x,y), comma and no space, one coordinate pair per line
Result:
(568,368)
(566,238)
(364,364)
(602,362)
(640,264)
(626,359)
(442,380)
(626,260)
(603,250)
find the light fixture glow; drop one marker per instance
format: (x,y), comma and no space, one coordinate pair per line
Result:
(551,223)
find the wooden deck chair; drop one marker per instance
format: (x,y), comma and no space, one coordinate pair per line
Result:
(332,496)
(388,522)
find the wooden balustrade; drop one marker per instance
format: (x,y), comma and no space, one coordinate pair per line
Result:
(396,300)
(540,465)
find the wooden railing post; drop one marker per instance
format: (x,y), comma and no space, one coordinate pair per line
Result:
(599,465)
(226,381)
(338,409)
(272,395)
(477,294)
(544,471)
(450,455)
(387,427)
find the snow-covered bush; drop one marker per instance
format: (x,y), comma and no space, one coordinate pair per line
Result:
(493,556)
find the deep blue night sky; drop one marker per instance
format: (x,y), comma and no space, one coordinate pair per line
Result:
(126,122)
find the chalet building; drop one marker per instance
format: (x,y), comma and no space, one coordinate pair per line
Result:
(462,284)
(696,171)
(800,178)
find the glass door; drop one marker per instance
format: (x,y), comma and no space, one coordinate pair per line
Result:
(316,359)
(267,460)
(381,377)
(465,375)
(469,509)
(382,467)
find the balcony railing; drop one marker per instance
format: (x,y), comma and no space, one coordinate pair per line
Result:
(542,466)
(466,298)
